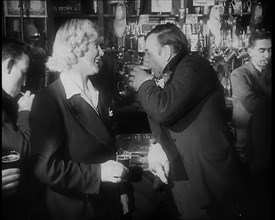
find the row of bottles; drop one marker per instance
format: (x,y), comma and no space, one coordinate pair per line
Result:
(233,42)
(200,37)
(134,42)
(198,34)
(131,38)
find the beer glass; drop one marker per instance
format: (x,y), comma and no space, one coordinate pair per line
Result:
(124,157)
(10,159)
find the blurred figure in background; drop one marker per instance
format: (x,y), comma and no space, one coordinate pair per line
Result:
(15,129)
(187,116)
(250,84)
(251,89)
(38,58)
(73,150)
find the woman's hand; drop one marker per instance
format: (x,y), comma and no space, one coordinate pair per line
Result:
(112,171)
(10,180)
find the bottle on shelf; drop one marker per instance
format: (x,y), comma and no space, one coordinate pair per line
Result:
(127,38)
(133,38)
(141,44)
(201,43)
(235,38)
(228,38)
(188,31)
(194,38)
(247,36)
(131,43)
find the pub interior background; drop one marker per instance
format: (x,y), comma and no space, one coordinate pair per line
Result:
(192,16)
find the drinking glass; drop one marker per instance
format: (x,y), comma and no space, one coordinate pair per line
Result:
(124,157)
(10,159)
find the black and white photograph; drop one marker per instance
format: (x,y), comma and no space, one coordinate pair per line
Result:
(136,109)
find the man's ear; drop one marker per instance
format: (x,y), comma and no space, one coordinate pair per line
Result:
(167,50)
(250,51)
(10,64)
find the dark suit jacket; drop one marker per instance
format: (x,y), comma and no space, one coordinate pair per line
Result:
(15,127)
(16,137)
(188,117)
(69,141)
(249,87)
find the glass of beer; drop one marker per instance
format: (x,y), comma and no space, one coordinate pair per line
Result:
(130,66)
(124,157)
(146,68)
(10,159)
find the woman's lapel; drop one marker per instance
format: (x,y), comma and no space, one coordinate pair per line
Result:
(87,117)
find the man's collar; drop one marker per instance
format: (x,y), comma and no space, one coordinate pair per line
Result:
(252,68)
(170,67)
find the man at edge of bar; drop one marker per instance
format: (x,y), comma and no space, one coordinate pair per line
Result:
(15,130)
(251,89)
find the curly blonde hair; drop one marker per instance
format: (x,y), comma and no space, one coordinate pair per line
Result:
(71,42)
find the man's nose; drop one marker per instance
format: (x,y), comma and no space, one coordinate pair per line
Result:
(267,54)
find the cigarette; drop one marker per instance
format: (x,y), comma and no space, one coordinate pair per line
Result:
(22,93)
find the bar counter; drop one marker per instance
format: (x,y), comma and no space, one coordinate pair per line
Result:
(153,199)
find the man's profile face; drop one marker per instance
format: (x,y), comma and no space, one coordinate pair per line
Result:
(154,56)
(18,74)
(261,53)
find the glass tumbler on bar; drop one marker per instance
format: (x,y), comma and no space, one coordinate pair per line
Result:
(123,157)
(10,159)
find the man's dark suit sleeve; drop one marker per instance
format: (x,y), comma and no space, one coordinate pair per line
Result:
(16,137)
(178,96)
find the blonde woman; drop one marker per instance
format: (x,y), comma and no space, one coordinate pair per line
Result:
(73,151)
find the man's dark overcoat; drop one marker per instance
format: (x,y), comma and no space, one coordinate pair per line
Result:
(188,117)
(16,137)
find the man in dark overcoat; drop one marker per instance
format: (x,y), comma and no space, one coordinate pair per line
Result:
(185,104)
(15,130)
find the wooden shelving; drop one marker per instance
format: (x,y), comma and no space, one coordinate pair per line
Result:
(76,15)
